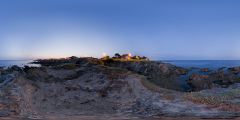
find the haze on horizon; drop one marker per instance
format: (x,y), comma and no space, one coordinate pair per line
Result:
(160,29)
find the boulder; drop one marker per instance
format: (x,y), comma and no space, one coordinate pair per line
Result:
(181,71)
(224,79)
(199,82)
(235,70)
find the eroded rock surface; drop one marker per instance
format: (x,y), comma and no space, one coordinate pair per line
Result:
(87,86)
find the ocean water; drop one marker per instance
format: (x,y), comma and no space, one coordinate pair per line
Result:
(20,63)
(212,64)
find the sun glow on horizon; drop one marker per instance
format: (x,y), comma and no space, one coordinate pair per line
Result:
(104,54)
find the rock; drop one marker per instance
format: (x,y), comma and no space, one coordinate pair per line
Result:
(199,82)
(224,79)
(164,68)
(109,88)
(87,101)
(192,68)
(162,74)
(1,70)
(73,57)
(235,70)
(26,68)
(16,68)
(181,71)
(219,78)
(204,70)
(4,113)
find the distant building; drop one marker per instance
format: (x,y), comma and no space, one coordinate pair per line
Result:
(125,57)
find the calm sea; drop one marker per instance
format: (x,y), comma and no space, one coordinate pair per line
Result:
(20,63)
(182,63)
(213,64)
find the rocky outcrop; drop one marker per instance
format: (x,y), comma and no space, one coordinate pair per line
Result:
(88,86)
(225,78)
(15,68)
(234,70)
(200,82)
(220,78)
(96,89)
(8,99)
(162,74)
(1,70)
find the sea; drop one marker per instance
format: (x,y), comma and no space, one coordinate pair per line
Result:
(20,63)
(212,64)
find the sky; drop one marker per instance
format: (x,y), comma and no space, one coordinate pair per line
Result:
(159,29)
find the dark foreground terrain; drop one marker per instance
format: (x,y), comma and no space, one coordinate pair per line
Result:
(96,89)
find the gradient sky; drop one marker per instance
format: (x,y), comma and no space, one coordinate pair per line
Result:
(160,29)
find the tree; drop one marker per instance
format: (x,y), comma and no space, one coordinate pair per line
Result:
(73,57)
(106,57)
(117,55)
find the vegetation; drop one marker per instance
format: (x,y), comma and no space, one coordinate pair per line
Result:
(125,57)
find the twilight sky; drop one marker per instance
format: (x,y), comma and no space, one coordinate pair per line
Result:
(160,29)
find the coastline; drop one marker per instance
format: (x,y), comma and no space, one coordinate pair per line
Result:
(101,86)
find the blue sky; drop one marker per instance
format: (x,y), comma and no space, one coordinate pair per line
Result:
(160,29)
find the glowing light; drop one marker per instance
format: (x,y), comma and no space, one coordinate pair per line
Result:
(104,54)
(129,55)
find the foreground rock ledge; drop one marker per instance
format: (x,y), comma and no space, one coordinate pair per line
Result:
(83,88)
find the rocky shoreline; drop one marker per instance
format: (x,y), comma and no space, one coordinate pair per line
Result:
(138,88)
